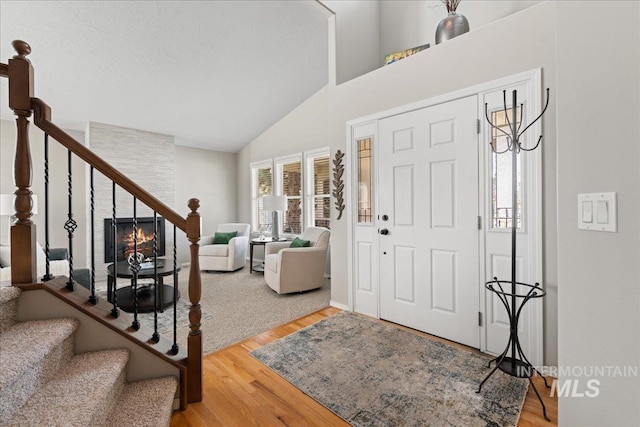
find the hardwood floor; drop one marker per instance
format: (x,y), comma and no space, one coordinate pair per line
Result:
(240,391)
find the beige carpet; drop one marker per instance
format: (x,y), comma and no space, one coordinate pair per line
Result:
(239,305)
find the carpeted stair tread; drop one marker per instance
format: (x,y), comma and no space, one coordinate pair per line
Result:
(30,354)
(25,344)
(8,306)
(146,403)
(80,394)
(8,293)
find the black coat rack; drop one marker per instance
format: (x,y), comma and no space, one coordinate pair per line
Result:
(517,364)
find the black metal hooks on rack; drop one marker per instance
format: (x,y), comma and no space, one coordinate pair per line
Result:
(516,364)
(515,132)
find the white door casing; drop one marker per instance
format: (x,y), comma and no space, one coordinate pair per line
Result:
(428,188)
(365,253)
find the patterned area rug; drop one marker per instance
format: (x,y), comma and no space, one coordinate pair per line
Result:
(374,374)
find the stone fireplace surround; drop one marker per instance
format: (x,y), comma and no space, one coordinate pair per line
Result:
(145,157)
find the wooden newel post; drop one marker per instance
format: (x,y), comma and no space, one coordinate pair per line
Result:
(23,232)
(194,341)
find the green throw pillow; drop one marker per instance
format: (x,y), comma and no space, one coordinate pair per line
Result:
(223,238)
(299,243)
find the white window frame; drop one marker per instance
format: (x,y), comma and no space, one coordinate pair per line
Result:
(309,196)
(306,198)
(255,206)
(279,163)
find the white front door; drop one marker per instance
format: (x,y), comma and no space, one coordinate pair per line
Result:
(428,220)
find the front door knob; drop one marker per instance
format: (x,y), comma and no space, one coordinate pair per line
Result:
(384,231)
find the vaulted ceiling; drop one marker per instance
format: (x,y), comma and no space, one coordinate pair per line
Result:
(215,74)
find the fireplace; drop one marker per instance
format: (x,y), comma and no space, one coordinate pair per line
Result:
(125,237)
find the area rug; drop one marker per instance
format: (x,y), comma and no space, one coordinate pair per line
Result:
(375,374)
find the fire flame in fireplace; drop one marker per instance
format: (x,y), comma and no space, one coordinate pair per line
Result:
(142,238)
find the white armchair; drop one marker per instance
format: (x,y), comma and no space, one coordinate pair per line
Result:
(58,265)
(221,257)
(289,269)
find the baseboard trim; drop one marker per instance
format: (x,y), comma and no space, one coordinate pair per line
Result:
(338,305)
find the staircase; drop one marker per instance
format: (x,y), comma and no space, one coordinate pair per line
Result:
(44,382)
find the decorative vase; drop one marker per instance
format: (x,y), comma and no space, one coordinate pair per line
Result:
(451,26)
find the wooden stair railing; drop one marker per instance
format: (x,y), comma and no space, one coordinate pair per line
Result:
(20,74)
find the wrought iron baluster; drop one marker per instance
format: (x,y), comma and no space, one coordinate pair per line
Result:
(47,274)
(70,225)
(114,231)
(92,276)
(174,347)
(155,337)
(134,266)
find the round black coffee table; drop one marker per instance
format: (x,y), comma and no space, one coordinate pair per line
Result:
(260,242)
(146,296)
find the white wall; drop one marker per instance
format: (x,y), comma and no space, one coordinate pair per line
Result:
(305,128)
(209,176)
(357,37)
(406,23)
(366,31)
(598,105)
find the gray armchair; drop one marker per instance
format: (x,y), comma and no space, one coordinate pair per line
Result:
(289,269)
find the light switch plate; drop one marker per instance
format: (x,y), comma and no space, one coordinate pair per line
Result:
(597,212)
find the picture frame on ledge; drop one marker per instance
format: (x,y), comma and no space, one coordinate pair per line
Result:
(397,56)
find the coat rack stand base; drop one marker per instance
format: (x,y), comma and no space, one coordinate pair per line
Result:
(517,365)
